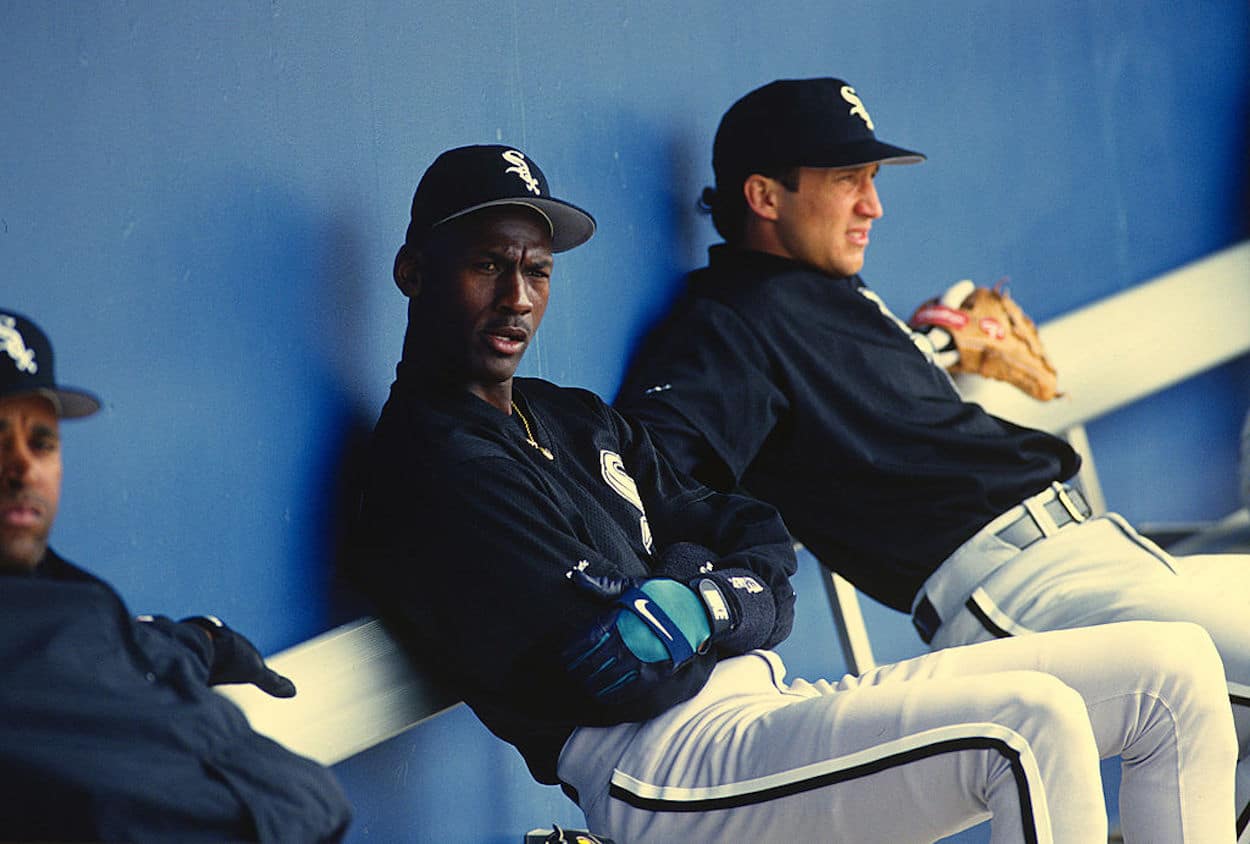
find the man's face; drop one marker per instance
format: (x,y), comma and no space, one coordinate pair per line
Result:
(825,223)
(30,479)
(484,288)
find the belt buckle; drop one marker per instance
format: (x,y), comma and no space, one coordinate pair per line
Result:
(1069,498)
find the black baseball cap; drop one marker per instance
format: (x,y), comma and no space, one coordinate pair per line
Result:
(799,123)
(470,178)
(27,366)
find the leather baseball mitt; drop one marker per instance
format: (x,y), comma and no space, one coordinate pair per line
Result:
(993,336)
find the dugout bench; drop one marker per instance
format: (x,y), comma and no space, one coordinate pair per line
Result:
(357,688)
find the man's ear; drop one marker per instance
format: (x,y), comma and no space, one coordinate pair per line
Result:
(760,193)
(408,267)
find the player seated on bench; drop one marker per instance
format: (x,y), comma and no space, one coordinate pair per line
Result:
(611,618)
(109,730)
(782,372)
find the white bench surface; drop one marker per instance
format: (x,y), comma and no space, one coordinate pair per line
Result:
(355,688)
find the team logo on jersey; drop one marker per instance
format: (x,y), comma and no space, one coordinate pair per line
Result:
(645,527)
(12,341)
(857,105)
(616,477)
(522,168)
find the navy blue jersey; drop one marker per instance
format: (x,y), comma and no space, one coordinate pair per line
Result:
(468,532)
(109,731)
(803,390)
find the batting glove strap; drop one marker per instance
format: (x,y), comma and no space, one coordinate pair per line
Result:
(751,608)
(715,603)
(666,613)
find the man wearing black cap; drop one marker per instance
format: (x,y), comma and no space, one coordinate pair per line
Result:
(610,618)
(108,728)
(781,372)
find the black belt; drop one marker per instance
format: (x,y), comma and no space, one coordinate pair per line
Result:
(1067,507)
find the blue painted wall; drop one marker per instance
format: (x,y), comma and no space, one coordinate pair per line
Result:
(201,202)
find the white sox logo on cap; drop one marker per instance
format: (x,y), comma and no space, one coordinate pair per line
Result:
(857,105)
(23,356)
(522,168)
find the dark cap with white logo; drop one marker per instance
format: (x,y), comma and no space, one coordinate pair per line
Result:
(27,368)
(799,123)
(470,178)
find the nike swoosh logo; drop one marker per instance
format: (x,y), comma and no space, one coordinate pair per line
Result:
(641,606)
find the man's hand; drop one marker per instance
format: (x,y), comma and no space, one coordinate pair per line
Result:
(656,627)
(236,660)
(933,319)
(741,606)
(991,336)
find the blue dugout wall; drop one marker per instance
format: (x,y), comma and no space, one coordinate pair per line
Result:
(201,201)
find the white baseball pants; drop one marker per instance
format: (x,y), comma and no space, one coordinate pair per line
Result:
(1095,572)
(915,751)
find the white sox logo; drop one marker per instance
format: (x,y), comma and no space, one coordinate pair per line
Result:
(12,342)
(857,105)
(522,168)
(615,476)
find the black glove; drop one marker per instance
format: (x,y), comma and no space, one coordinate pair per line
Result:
(236,660)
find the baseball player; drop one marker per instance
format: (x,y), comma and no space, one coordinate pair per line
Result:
(781,372)
(109,727)
(611,618)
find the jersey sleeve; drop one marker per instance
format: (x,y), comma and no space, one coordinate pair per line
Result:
(747,534)
(474,563)
(196,644)
(701,385)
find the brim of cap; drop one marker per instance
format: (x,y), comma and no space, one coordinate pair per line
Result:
(862,152)
(570,225)
(76,404)
(70,403)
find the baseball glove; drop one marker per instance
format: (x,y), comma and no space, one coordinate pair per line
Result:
(993,336)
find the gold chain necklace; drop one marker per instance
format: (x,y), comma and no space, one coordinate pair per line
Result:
(529,435)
